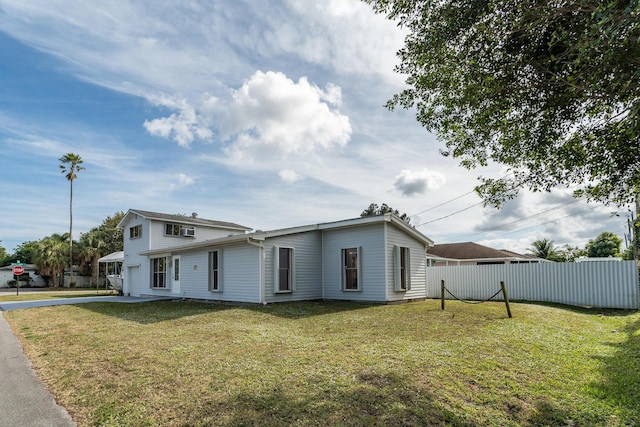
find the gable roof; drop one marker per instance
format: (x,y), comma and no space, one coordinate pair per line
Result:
(470,250)
(181,219)
(259,236)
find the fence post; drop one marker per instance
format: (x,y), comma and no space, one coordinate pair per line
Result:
(506,299)
(442,294)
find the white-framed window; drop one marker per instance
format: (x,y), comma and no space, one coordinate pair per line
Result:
(283,268)
(159,273)
(135,231)
(215,271)
(351,274)
(172,229)
(402,264)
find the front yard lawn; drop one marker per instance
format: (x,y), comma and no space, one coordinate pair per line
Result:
(176,363)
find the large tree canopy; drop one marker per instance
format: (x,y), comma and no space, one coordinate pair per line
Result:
(607,244)
(549,88)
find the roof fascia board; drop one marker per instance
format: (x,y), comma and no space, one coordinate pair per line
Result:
(203,244)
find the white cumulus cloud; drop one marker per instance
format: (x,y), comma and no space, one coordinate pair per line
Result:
(271,115)
(185,125)
(411,182)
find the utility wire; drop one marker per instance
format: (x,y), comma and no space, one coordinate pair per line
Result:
(443,203)
(525,218)
(451,214)
(544,223)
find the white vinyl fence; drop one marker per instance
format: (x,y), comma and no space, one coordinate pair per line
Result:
(592,284)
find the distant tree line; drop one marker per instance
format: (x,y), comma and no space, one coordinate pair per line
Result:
(606,244)
(374,210)
(50,254)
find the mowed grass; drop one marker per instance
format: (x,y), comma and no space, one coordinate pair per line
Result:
(50,293)
(315,364)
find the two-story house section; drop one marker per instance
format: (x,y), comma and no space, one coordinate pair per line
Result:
(144,231)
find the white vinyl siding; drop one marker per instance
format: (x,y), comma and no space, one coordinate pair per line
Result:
(372,279)
(416,271)
(132,247)
(158,239)
(306,267)
(239,271)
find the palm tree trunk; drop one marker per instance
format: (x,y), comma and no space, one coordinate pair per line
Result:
(70,236)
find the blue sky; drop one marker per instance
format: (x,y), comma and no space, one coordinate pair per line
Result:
(268,114)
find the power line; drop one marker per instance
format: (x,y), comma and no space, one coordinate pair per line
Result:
(451,214)
(543,223)
(444,203)
(526,217)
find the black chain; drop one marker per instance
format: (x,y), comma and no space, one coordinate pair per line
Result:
(473,302)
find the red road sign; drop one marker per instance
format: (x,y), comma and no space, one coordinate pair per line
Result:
(18,270)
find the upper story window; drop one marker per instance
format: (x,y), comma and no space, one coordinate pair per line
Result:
(172,229)
(135,231)
(179,230)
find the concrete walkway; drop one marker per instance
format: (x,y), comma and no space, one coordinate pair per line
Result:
(17,305)
(23,399)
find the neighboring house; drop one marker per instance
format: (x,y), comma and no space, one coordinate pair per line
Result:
(6,275)
(474,254)
(373,259)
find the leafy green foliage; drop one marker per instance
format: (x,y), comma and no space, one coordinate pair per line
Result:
(550,89)
(374,210)
(544,249)
(50,256)
(3,256)
(569,253)
(605,245)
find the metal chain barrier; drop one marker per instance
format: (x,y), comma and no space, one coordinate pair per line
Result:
(472,302)
(502,289)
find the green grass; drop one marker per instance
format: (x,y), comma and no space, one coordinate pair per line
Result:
(317,364)
(50,293)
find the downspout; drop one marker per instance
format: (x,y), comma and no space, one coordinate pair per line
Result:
(322,261)
(385,229)
(261,266)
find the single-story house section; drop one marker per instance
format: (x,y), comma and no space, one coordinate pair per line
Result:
(470,253)
(372,259)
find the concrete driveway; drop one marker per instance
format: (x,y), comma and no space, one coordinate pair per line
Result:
(17,305)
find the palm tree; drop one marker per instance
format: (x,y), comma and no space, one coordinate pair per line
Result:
(71,165)
(93,247)
(50,257)
(544,249)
